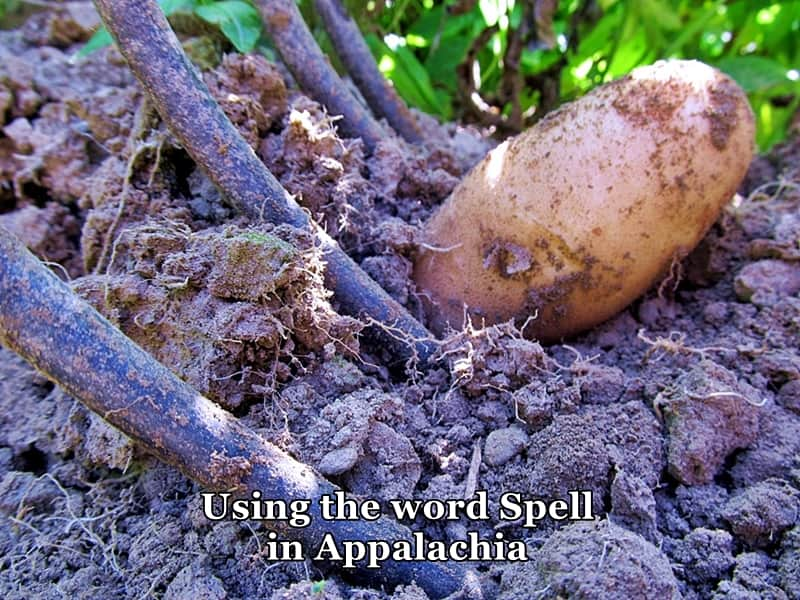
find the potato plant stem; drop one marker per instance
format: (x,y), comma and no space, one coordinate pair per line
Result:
(301,54)
(184,103)
(354,53)
(44,321)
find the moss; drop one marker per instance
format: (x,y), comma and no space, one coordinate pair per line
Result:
(203,51)
(266,239)
(250,265)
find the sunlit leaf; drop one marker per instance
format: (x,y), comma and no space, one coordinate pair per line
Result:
(603,33)
(754,73)
(238,20)
(660,13)
(100,39)
(170,7)
(409,77)
(490,9)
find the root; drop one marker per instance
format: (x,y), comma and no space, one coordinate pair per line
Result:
(414,343)
(581,364)
(673,278)
(137,148)
(760,194)
(726,394)
(466,350)
(659,402)
(89,536)
(444,250)
(675,344)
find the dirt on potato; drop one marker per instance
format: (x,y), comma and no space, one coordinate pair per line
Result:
(681,415)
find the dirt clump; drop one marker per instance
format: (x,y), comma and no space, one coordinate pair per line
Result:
(761,512)
(212,305)
(704,555)
(708,414)
(251,92)
(592,560)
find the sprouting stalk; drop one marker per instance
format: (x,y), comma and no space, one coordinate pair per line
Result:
(301,54)
(357,59)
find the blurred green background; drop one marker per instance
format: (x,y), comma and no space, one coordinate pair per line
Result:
(506,63)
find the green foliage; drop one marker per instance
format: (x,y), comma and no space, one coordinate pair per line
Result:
(238,20)
(508,62)
(434,50)
(7,7)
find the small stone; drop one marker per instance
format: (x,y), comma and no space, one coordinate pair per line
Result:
(504,444)
(338,461)
(763,281)
(789,396)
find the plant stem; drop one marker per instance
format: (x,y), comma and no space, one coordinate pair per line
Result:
(184,103)
(354,53)
(301,54)
(68,341)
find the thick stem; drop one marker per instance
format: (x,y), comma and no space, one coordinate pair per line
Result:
(184,103)
(301,54)
(357,59)
(64,338)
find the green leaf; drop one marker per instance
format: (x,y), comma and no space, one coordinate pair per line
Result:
(629,55)
(772,122)
(8,7)
(100,39)
(170,7)
(414,72)
(659,13)
(536,61)
(409,77)
(691,29)
(602,34)
(238,20)
(442,62)
(429,24)
(754,73)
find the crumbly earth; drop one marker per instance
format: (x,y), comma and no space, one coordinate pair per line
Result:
(681,415)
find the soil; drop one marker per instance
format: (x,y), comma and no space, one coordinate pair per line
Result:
(681,415)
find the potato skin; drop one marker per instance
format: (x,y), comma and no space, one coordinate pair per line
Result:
(578,216)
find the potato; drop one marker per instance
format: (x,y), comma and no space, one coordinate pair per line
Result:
(576,217)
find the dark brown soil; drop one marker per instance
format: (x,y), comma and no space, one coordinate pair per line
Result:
(681,415)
